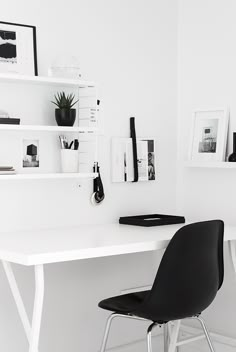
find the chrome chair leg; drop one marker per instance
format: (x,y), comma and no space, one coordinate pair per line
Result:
(149,337)
(107,330)
(108,325)
(206,333)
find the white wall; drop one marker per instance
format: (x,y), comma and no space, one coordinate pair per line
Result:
(130,49)
(207,71)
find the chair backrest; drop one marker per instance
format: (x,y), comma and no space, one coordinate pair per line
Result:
(190,273)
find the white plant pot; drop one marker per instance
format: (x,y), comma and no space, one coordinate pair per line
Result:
(69,160)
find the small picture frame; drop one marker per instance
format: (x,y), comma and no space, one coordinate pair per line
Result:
(209,135)
(18,50)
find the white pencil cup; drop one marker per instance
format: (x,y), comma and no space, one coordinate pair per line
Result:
(69,160)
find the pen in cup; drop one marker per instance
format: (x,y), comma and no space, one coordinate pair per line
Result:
(71,143)
(76,144)
(65,145)
(63,142)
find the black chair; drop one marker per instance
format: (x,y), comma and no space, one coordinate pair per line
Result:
(189,276)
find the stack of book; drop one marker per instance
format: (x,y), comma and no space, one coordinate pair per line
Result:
(7,170)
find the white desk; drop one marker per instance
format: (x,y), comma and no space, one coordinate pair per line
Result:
(36,248)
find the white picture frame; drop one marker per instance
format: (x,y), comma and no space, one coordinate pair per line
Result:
(209,135)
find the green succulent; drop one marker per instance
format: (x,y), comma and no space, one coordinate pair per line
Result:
(63,101)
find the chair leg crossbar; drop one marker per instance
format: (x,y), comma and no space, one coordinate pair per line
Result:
(171,333)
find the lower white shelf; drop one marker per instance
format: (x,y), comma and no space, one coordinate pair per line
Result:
(211,164)
(45,128)
(58,175)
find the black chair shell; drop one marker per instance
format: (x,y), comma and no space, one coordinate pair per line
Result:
(189,276)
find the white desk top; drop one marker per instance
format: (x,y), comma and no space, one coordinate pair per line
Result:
(88,241)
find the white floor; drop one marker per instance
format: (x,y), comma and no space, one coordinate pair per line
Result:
(200,346)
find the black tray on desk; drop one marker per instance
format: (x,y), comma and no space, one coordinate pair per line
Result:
(151,220)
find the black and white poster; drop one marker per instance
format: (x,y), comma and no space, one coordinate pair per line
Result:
(18,53)
(8,52)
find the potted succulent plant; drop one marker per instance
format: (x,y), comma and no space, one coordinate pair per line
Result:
(65,115)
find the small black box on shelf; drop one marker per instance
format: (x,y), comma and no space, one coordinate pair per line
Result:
(151,220)
(9,121)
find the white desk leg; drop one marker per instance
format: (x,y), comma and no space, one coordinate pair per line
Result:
(32,332)
(17,297)
(38,308)
(232,249)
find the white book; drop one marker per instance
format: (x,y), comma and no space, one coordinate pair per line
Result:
(4,168)
(9,172)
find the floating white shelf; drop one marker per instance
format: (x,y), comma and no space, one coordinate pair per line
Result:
(211,164)
(49,176)
(48,81)
(45,80)
(42,128)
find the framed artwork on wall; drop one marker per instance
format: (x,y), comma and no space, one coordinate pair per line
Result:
(18,51)
(209,135)
(122,159)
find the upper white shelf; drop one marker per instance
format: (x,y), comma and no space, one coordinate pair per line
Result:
(211,164)
(46,176)
(45,80)
(6,127)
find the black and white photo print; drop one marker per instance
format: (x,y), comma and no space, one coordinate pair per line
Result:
(151,159)
(209,135)
(207,143)
(30,153)
(8,52)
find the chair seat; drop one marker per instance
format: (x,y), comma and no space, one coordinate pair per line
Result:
(132,304)
(124,303)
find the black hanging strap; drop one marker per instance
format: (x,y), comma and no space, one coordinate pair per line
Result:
(134,145)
